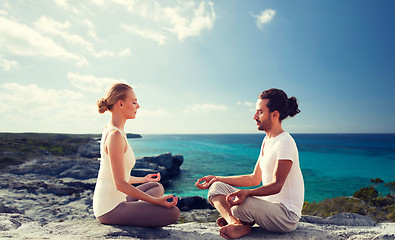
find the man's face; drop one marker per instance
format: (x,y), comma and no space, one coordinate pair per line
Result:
(262,115)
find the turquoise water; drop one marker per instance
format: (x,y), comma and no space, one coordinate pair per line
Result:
(332,164)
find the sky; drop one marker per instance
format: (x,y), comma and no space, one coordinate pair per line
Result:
(197,66)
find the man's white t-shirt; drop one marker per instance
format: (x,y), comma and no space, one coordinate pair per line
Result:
(283,147)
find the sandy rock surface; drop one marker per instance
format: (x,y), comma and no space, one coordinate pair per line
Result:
(18,226)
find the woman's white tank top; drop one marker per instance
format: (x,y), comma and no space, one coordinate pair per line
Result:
(106,197)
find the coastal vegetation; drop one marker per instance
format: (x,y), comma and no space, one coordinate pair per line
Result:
(366,201)
(16,148)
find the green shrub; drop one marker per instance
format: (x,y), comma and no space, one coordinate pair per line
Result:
(367,194)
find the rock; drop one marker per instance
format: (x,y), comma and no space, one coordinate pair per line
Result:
(343,219)
(166,164)
(164,159)
(90,149)
(10,221)
(194,202)
(5,209)
(133,135)
(71,166)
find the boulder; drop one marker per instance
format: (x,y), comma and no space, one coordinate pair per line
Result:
(194,202)
(166,164)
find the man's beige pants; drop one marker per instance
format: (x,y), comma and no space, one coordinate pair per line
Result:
(271,216)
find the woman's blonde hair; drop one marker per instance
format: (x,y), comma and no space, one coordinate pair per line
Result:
(114,93)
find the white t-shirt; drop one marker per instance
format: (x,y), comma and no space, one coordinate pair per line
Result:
(106,196)
(283,147)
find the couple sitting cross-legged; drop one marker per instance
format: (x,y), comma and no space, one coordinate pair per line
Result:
(274,206)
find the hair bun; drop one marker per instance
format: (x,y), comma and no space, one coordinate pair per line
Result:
(102,105)
(293,106)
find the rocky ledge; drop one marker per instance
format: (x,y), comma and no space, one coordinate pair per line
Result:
(18,226)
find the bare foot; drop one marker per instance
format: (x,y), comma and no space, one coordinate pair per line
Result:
(221,222)
(232,231)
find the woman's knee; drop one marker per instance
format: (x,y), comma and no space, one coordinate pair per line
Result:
(174,214)
(160,187)
(155,189)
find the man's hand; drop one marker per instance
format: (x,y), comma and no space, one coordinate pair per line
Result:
(236,198)
(152,177)
(205,182)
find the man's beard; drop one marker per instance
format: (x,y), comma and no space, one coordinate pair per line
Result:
(265,125)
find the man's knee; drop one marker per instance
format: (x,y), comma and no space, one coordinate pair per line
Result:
(216,186)
(244,211)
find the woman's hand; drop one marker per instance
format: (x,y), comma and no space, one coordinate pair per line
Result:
(205,182)
(152,177)
(168,201)
(237,197)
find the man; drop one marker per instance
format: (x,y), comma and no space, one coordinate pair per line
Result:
(277,204)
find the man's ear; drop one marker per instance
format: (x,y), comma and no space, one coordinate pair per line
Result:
(276,114)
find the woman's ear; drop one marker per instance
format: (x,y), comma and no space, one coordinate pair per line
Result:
(120,102)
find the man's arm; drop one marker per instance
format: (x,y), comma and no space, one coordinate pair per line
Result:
(249,180)
(280,175)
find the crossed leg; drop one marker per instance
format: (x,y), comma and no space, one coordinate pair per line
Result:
(231,226)
(140,213)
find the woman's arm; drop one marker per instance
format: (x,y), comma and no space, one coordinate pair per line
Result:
(115,145)
(148,178)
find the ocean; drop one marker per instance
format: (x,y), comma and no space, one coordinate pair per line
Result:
(333,165)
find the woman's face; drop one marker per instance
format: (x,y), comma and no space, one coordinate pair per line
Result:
(130,105)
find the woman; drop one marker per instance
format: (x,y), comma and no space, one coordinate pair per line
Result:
(115,200)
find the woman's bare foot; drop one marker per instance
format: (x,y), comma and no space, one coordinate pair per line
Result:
(221,222)
(232,231)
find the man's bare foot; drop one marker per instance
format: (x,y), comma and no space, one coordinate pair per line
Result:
(232,231)
(221,222)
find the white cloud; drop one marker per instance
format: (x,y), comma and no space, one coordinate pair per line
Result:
(145,33)
(250,105)
(265,17)
(205,108)
(186,19)
(31,107)
(125,52)
(2,12)
(6,64)
(63,4)
(31,98)
(246,103)
(91,29)
(19,39)
(91,83)
(52,27)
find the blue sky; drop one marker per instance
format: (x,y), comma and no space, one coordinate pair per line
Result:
(197,66)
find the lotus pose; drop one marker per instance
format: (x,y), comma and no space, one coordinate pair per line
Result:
(115,200)
(277,204)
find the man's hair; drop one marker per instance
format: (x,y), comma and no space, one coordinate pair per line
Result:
(278,100)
